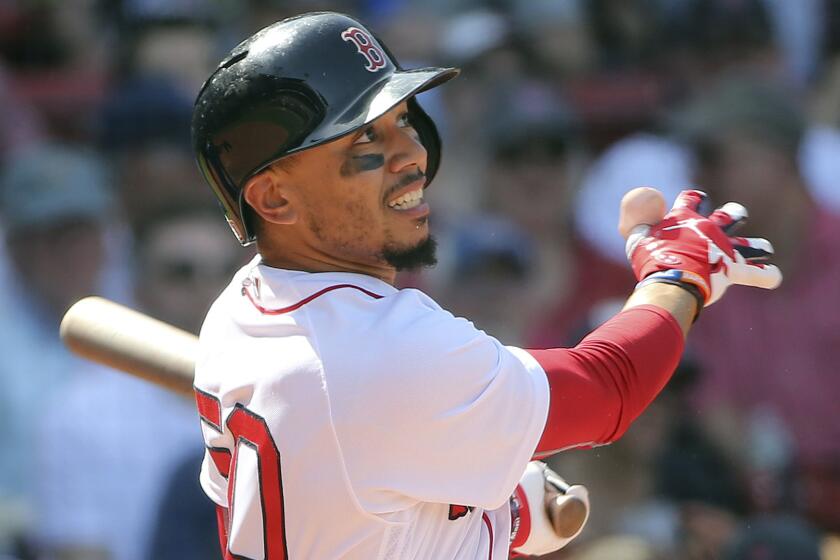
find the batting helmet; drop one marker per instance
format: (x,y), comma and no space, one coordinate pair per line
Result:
(294,85)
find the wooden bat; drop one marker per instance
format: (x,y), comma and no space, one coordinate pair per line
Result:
(114,335)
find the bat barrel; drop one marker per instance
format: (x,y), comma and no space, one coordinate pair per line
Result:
(114,335)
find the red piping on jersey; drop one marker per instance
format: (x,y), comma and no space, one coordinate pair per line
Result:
(304,301)
(489,530)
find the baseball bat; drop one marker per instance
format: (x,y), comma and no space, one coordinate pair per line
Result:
(114,335)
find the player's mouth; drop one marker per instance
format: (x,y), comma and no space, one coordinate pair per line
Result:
(409,200)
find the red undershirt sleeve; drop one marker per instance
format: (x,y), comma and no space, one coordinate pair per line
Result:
(604,383)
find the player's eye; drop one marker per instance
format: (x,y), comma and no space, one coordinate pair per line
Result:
(368,136)
(403,121)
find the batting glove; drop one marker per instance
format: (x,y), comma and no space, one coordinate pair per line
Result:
(546,513)
(695,251)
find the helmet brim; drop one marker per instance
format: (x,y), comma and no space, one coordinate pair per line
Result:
(378,100)
(404,85)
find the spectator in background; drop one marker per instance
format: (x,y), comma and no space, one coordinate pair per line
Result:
(179,51)
(628,31)
(799,33)
(100,483)
(536,158)
(820,153)
(703,39)
(482,43)
(185,522)
(57,58)
(693,479)
(55,203)
(485,262)
(144,129)
(20,126)
(769,389)
(181,262)
(560,42)
(774,538)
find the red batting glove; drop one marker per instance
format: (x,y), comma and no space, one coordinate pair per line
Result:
(689,248)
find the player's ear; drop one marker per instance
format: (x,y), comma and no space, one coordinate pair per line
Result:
(271,198)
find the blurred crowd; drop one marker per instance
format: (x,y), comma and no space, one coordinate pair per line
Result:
(562,106)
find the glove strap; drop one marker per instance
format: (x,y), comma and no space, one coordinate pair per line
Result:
(679,278)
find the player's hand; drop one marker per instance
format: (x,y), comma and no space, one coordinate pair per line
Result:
(546,512)
(687,247)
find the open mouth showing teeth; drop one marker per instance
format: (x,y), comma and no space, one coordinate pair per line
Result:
(407,201)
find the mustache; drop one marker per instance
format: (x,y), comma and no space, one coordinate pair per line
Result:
(404,181)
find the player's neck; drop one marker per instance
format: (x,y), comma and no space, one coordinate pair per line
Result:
(321,262)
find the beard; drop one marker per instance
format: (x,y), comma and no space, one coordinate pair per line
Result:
(421,255)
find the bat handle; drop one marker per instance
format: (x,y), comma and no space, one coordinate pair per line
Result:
(558,482)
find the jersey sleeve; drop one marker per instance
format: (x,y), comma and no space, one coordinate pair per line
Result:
(602,385)
(428,408)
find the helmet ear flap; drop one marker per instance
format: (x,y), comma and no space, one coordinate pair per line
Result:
(248,220)
(429,137)
(226,192)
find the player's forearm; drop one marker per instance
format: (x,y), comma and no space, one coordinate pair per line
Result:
(599,387)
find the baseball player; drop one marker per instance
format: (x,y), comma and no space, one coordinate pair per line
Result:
(345,418)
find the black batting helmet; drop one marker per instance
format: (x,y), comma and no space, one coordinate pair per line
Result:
(294,85)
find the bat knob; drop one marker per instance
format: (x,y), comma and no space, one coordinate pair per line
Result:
(567,514)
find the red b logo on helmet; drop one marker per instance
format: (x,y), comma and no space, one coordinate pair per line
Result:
(366,47)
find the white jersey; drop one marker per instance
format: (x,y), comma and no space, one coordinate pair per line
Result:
(344,418)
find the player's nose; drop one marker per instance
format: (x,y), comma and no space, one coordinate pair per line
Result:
(408,152)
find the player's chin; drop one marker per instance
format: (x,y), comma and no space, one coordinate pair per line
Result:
(412,255)
(409,228)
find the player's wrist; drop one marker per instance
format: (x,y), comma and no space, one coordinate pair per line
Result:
(689,281)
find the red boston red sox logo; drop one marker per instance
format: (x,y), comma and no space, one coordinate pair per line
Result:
(366,47)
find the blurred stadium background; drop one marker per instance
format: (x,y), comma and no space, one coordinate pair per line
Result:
(562,106)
